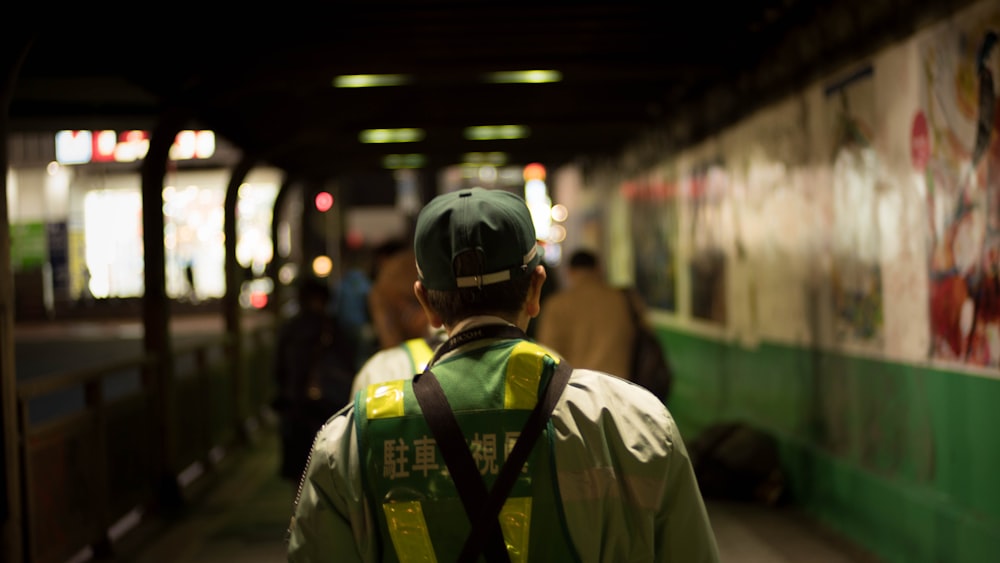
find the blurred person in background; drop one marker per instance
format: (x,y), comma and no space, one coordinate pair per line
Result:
(588,321)
(314,367)
(401,361)
(350,302)
(410,356)
(395,313)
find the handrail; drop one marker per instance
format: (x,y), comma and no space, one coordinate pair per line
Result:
(205,343)
(51,383)
(47,384)
(94,463)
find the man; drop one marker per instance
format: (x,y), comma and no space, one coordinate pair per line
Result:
(607,480)
(403,360)
(589,322)
(396,316)
(313,372)
(405,346)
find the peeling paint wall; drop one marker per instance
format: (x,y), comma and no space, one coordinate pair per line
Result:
(835,267)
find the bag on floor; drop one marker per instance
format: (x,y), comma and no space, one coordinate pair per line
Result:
(734,461)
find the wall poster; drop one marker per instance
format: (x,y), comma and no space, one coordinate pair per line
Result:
(653,212)
(855,246)
(709,186)
(956,148)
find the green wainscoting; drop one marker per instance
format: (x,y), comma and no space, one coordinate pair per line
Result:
(904,459)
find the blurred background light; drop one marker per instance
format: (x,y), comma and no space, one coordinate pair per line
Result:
(496,158)
(405,135)
(524,76)
(534,171)
(559,213)
(324,201)
(488,174)
(287,273)
(322,266)
(495,132)
(255,293)
(370,80)
(403,161)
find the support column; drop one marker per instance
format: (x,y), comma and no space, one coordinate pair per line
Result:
(333,221)
(11,517)
(231,301)
(290,194)
(277,261)
(156,309)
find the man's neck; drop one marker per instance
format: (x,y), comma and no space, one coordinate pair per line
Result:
(478,320)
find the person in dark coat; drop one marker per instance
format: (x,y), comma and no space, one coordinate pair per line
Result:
(313,371)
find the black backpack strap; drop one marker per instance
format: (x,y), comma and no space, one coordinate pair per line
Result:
(462,467)
(481,508)
(532,429)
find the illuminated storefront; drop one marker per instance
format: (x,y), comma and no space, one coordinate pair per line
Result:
(76,216)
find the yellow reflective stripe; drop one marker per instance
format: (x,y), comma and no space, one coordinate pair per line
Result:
(515,521)
(384,400)
(408,530)
(420,353)
(524,370)
(410,538)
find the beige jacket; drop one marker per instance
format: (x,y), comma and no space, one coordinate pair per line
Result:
(589,324)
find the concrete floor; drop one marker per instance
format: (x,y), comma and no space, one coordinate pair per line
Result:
(753,534)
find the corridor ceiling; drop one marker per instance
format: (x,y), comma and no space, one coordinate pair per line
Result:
(262,75)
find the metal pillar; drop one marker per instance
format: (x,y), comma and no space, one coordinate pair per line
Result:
(277,261)
(11,517)
(231,300)
(156,307)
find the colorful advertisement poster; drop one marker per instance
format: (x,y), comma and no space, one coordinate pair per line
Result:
(956,150)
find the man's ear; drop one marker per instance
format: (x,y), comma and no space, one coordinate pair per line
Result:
(533,305)
(432,317)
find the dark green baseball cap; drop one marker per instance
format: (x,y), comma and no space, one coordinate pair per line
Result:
(494,223)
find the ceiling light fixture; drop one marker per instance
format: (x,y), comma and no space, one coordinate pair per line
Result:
(403,161)
(406,135)
(524,76)
(496,132)
(370,80)
(494,158)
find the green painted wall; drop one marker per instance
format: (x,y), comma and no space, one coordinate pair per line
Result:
(904,459)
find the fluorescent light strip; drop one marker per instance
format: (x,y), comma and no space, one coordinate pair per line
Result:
(400,161)
(370,80)
(524,76)
(496,132)
(479,158)
(406,135)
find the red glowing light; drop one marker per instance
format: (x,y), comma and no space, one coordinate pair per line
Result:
(324,201)
(534,171)
(258,299)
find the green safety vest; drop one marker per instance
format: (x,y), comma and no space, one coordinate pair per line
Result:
(492,390)
(420,353)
